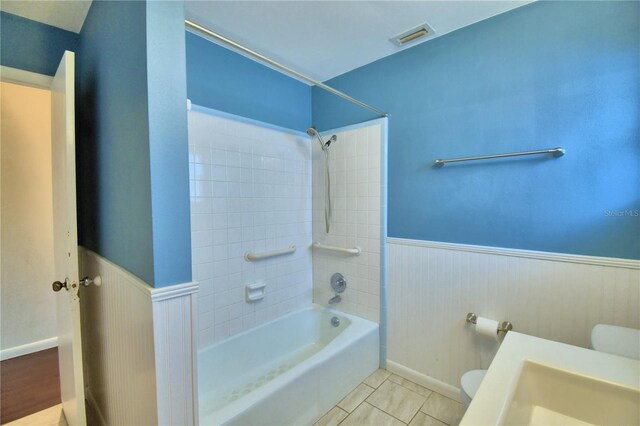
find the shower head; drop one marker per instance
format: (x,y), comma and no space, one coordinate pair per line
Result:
(311,131)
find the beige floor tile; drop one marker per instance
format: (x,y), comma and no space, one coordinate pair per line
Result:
(377,377)
(396,400)
(355,397)
(410,385)
(51,416)
(332,418)
(421,419)
(369,415)
(444,409)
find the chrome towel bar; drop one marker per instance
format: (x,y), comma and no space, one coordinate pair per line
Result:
(250,257)
(354,251)
(556,152)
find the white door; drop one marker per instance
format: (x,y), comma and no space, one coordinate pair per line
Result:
(65,241)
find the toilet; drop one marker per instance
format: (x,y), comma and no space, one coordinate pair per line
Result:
(610,339)
(469,384)
(616,340)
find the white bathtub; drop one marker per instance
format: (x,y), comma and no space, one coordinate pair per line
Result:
(289,371)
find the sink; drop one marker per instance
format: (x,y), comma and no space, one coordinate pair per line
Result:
(543,395)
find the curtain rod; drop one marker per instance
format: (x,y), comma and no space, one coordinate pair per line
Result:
(199,28)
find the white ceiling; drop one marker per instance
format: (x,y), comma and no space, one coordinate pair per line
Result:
(323,39)
(65,14)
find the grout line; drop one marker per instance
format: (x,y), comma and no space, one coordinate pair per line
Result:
(414,416)
(378,408)
(402,421)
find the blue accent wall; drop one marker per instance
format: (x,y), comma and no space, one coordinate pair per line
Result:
(168,142)
(544,75)
(224,80)
(32,46)
(132,141)
(114,187)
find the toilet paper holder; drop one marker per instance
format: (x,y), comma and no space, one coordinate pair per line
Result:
(504,325)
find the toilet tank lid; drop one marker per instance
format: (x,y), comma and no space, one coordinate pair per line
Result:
(616,340)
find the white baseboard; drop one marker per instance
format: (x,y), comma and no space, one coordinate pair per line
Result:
(29,348)
(424,380)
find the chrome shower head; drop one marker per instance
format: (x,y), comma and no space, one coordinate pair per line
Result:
(311,131)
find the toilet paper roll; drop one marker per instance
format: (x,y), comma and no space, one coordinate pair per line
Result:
(487,327)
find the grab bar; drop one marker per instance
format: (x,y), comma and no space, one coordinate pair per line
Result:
(249,256)
(556,152)
(354,251)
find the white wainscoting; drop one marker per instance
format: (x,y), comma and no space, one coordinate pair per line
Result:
(139,347)
(432,286)
(176,349)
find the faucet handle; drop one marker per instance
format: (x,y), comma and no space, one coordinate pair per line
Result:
(338,283)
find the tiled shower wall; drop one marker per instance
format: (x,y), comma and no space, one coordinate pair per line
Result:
(357,200)
(250,191)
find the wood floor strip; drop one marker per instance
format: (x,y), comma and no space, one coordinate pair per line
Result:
(29,384)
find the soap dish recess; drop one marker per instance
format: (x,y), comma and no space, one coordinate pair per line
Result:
(255,291)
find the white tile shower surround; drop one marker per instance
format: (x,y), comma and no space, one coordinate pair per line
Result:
(356,193)
(250,191)
(432,286)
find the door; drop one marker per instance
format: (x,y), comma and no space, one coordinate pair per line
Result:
(65,241)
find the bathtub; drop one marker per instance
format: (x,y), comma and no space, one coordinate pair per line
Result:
(289,371)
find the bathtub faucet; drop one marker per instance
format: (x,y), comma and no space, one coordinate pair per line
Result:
(335,299)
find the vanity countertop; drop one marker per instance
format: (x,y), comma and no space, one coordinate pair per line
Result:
(573,364)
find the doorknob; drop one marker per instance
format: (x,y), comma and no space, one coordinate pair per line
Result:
(57,285)
(86,281)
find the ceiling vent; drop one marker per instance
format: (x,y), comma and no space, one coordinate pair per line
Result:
(414,35)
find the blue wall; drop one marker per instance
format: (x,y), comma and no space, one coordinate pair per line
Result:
(544,75)
(132,143)
(168,142)
(114,194)
(224,80)
(32,46)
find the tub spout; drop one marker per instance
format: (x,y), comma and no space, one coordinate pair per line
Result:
(335,299)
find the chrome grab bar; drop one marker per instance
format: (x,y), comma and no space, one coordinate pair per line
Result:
(557,152)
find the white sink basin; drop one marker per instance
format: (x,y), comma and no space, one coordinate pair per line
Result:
(543,395)
(534,381)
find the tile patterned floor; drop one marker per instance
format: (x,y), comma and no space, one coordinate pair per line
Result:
(386,399)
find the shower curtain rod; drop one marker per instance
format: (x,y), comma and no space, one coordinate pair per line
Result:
(199,28)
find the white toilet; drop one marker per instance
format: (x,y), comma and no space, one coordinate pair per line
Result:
(616,340)
(469,384)
(611,339)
